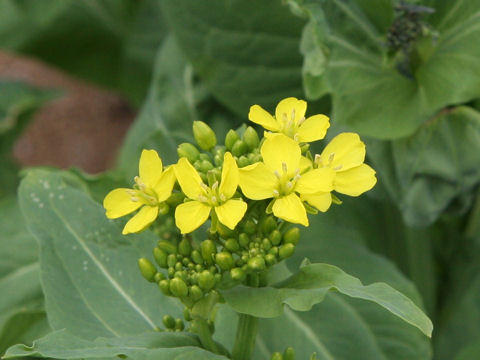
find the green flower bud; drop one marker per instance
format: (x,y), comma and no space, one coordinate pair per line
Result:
(239,148)
(204,178)
(276,356)
(160,257)
(231,138)
(243,239)
(232,245)
(270,259)
(204,156)
(208,250)
(237,274)
(164,286)
(243,161)
(189,151)
(204,135)
(275,237)
(196,257)
(250,136)
(186,261)
(195,292)
(266,244)
(169,322)
(304,148)
(179,325)
(217,277)
(273,251)
(286,250)
(224,260)
(171,271)
(289,354)
(198,268)
(159,277)
(291,236)
(167,246)
(249,227)
(205,166)
(256,263)
(268,225)
(147,269)
(178,287)
(206,280)
(175,199)
(224,231)
(171,260)
(313,356)
(218,160)
(186,314)
(184,247)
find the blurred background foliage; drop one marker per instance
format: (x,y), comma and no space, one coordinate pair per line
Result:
(404,75)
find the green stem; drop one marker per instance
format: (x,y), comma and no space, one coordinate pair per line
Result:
(245,338)
(473,227)
(203,332)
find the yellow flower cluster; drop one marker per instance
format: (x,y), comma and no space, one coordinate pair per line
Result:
(283,175)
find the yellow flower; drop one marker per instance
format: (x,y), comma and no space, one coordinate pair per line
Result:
(279,176)
(345,155)
(151,189)
(290,120)
(191,214)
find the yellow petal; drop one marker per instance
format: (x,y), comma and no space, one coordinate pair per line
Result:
(321,201)
(230,213)
(313,129)
(290,109)
(280,149)
(191,215)
(261,117)
(315,180)
(119,202)
(150,167)
(229,182)
(141,220)
(344,152)
(188,178)
(305,164)
(291,209)
(356,181)
(164,186)
(257,181)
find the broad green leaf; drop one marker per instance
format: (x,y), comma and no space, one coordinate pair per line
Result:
(89,270)
(310,285)
(21,305)
(151,345)
(166,118)
(119,36)
(370,95)
(470,352)
(246,52)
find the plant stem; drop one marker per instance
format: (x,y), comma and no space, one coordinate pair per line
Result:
(245,338)
(203,332)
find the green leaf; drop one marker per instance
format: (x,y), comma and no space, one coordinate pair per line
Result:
(470,352)
(310,285)
(370,95)
(120,38)
(151,345)
(246,52)
(89,271)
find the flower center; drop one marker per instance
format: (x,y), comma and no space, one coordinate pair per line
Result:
(286,183)
(143,193)
(289,126)
(320,164)
(212,195)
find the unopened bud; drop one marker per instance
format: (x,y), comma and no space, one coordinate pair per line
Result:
(291,236)
(289,354)
(178,287)
(188,151)
(276,356)
(205,166)
(243,161)
(206,280)
(195,292)
(208,250)
(230,139)
(239,148)
(196,257)
(250,136)
(160,257)
(270,259)
(249,227)
(204,135)
(175,199)
(168,321)
(266,244)
(232,245)
(275,237)
(224,260)
(179,325)
(171,260)
(167,246)
(224,231)
(184,247)
(243,239)
(186,314)
(159,277)
(286,250)
(147,269)
(237,274)
(268,225)
(164,286)
(256,263)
